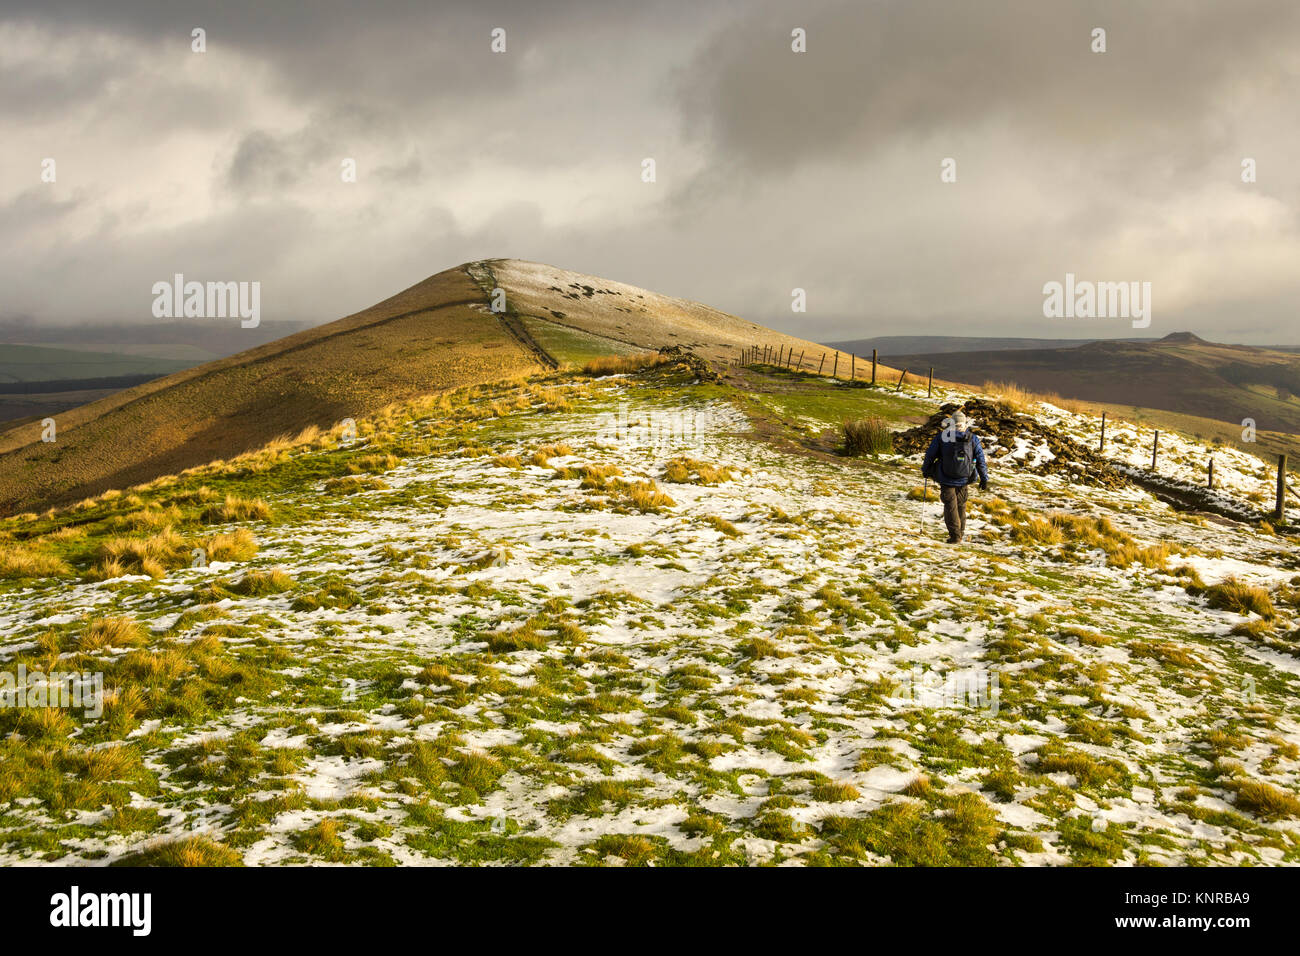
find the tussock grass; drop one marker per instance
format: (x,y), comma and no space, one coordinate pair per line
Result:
(189,851)
(237,509)
(835,792)
(1234,595)
(151,556)
(352,484)
(1010,394)
(684,471)
(644,496)
(542,456)
(262,583)
(1265,800)
(553,400)
(25,561)
(110,632)
(238,545)
(153,517)
(723,525)
(1077,532)
(623,364)
(868,436)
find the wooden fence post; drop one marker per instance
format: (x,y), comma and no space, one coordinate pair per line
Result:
(1210,485)
(929,386)
(873,366)
(1279,512)
(900,380)
(835,372)
(821,363)
(800,365)
(1102,447)
(1155,449)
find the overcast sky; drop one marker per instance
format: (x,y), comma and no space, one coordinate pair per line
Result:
(775,169)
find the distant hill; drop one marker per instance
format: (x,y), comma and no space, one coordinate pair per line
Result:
(891,345)
(437,335)
(1180,372)
(35,363)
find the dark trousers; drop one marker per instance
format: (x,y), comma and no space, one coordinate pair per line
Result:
(954,510)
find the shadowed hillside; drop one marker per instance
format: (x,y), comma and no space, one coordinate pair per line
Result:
(1180,372)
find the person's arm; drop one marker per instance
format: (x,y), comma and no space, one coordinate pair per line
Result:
(981,463)
(931,456)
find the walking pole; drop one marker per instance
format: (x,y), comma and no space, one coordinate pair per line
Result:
(925,499)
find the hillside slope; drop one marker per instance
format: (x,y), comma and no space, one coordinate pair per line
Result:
(436,335)
(651,620)
(425,338)
(1179,372)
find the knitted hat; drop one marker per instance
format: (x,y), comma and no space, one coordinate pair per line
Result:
(959,420)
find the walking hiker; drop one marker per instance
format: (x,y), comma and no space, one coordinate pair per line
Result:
(953,460)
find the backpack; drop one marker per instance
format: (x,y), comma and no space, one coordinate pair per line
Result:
(957,458)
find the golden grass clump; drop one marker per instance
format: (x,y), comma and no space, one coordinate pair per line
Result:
(25,561)
(623,364)
(683,471)
(237,509)
(646,496)
(238,545)
(262,583)
(376,463)
(1231,594)
(544,454)
(1265,800)
(188,851)
(151,556)
(110,632)
(868,436)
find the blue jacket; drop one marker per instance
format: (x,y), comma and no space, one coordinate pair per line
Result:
(934,469)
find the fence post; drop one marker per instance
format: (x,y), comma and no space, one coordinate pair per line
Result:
(800,365)
(821,363)
(1211,482)
(900,380)
(873,366)
(1280,511)
(1102,447)
(1155,449)
(929,386)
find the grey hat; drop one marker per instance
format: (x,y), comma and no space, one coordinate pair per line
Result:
(959,420)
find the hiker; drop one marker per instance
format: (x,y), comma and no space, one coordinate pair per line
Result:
(953,460)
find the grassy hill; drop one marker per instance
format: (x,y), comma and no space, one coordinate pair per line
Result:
(1180,373)
(437,335)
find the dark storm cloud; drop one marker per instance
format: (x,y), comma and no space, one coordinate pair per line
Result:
(817,170)
(932,68)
